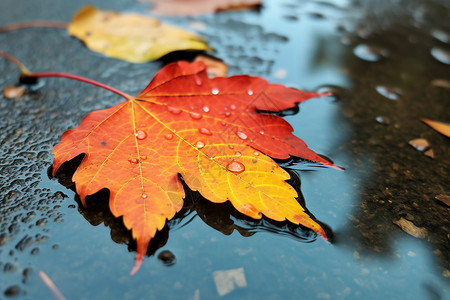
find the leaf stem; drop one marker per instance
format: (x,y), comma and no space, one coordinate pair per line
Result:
(33,24)
(24,70)
(80,78)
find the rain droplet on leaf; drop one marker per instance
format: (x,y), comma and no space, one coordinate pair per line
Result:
(215,91)
(238,154)
(140,135)
(168,136)
(250,92)
(174,110)
(206,109)
(205,131)
(198,80)
(200,145)
(144,195)
(133,161)
(195,116)
(241,135)
(235,167)
(227,114)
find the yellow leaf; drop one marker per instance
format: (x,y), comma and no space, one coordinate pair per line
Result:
(131,37)
(440,127)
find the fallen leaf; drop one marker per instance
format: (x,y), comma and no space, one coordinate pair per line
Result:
(208,131)
(199,7)
(411,229)
(420,144)
(226,281)
(131,37)
(442,128)
(215,67)
(10,92)
(429,153)
(444,199)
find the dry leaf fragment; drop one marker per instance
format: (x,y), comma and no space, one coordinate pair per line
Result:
(198,7)
(411,229)
(420,144)
(440,83)
(131,37)
(429,153)
(10,92)
(214,66)
(444,199)
(227,281)
(442,128)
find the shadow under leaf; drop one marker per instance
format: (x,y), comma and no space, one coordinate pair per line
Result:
(221,216)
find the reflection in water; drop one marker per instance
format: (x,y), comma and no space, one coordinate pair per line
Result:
(222,217)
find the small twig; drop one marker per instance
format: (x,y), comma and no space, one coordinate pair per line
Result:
(15,61)
(51,286)
(33,24)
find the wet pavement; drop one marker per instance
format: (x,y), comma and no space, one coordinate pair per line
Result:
(388,63)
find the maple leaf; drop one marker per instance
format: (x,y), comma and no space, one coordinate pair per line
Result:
(131,37)
(198,7)
(209,131)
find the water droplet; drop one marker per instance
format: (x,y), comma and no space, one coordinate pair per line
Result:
(205,131)
(233,107)
(392,93)
(206,109)
(256,153)
(235,167)
(140,135)
(215,91)
(241,135)
(195,116)
(133,161)
(200,145)
(261,132)
(144,195)
(250,92)
(227,114)
(174,110)
(383,120)
(441,55)
(198,80)
(223,123)
(167,258)
(143,157)
(168,136)
(238,154)
(370,53)
(441,35)
(231,146)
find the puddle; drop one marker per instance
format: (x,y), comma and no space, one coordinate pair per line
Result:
(309,45)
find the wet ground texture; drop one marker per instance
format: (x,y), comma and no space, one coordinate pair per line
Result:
(388,63)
